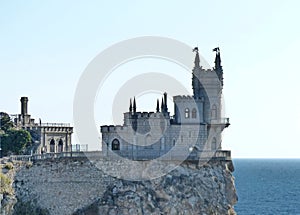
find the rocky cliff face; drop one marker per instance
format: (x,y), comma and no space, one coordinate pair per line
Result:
(76,186)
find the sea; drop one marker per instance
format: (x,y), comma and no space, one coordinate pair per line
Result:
(267,186)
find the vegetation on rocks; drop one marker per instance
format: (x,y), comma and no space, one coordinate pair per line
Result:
(13,140)
(5,183)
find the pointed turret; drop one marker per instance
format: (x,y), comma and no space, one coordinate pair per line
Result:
(197,58)
(218,67)
(134,105)
(157,106)
(130,106)
(165,103)
(196,74)
(162,105)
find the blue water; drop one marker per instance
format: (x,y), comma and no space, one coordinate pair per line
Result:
(267,186)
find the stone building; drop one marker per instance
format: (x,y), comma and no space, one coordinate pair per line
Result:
(196,125)
(47,137)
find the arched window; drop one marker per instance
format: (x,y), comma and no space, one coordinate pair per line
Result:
(214,112)
(187,113)
(174,142)
(214,144)
(194,113)
(52,145)
(60,145)
(115,144)
(148,139)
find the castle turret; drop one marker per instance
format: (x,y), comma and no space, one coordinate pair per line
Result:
(218,67)
(134,105)
(24,117)
(165,103)
(130,106)
(157,106)
(196,75)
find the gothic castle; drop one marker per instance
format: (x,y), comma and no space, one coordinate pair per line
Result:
(195,127)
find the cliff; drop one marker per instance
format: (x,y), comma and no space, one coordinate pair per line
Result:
(76,186)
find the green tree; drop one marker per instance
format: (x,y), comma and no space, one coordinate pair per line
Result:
(5,122)
(15,141)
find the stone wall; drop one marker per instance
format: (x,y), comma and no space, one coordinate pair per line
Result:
(76,186)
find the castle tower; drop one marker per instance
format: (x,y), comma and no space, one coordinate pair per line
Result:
(24,117)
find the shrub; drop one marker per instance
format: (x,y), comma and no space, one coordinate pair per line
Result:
(29,164)
(9,165)
(5,183)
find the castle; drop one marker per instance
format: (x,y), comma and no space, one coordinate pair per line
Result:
(47,137)
(196,125)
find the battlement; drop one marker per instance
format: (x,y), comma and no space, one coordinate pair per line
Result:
(112,128)
(144,115)
(185,98)
(203,70)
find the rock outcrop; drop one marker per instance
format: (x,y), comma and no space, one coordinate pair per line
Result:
(76,186)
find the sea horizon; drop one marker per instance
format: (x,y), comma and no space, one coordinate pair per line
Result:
(267,185)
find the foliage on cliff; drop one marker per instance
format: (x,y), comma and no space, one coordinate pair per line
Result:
(13,140)
(5,183)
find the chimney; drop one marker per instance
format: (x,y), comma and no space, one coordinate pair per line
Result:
(24,109)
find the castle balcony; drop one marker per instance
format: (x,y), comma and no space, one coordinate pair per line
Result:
(55,124)
(224,155)
(220,121)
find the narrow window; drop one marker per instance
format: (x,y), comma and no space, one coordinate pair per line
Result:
(214,113)
(60,146)
(214,144)
(115,144)
(148,141)
(52,145)
(187,113)
(194,113)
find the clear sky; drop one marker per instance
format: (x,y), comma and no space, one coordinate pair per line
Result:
(46,45)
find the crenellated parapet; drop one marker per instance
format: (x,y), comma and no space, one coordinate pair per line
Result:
(112,128)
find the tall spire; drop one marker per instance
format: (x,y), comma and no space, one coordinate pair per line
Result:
(196,75)
(218,59)
(134,105)
(157,106)
(165,102)
(197,58)
(218,66)
(162,105)
(130,106)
